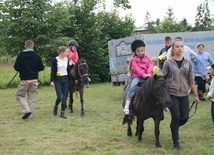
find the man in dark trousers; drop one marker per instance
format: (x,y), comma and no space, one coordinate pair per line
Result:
(28,63)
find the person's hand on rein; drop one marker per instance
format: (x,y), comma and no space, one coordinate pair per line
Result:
(196,99)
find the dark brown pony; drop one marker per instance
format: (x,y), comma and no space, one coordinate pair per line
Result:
(150,100)
(79,76)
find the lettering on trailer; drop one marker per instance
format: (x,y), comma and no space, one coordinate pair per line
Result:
(123,49)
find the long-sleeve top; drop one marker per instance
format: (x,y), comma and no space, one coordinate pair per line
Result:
(28,63)
(165,49)
(141,66)
(201,61)
(211,90)
(59,68)
(179,79)
(188,53)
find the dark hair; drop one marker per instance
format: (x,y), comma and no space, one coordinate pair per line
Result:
(168,38)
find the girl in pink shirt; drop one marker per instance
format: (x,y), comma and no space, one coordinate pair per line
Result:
(72,52)
(142,68)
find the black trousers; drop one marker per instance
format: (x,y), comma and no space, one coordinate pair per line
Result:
(201,83)
(179,114)
(212,111)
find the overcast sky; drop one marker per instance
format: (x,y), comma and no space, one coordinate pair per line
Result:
(158,9)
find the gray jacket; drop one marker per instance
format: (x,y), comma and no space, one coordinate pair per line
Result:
(179,79)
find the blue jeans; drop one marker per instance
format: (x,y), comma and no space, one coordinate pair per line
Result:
(61,86)
(133,87)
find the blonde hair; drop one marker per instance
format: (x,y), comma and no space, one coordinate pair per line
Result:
(62,49)
(129,64)
(155,60)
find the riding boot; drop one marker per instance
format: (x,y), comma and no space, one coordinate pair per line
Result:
(176,144)
(62,115)
(55,110)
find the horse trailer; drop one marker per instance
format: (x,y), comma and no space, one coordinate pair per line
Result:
(120,49)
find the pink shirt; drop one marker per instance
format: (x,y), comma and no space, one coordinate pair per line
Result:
(141,66)
(73,55)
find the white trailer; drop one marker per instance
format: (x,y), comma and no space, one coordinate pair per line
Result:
(120,49)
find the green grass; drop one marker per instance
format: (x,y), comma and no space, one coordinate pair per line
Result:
(7,73)
(99,132)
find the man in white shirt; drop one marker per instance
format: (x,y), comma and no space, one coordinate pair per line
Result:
(188,52)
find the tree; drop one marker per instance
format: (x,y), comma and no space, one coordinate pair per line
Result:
(170,14)
(51,25)
(169,24)
(122,3)
(22,20)
(93,31)
(203,20)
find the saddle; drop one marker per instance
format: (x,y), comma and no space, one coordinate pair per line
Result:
(135,100)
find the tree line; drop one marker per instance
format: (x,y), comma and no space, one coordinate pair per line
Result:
(51,25)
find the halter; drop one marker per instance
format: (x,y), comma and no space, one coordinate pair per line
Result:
(81,76)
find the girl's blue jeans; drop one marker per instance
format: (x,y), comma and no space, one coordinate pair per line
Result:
(61,87)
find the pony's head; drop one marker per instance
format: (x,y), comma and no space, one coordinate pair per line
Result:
(81,68)
(161,91)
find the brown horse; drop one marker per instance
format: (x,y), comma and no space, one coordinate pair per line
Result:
(79,76)
(149,101)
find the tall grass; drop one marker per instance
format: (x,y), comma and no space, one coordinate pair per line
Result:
(99,132)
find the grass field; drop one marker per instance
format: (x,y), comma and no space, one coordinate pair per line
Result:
(99,132)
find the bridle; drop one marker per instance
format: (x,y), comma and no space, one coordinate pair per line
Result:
(82,75)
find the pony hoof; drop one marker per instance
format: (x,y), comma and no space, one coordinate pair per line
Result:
(82,114)
(129,134)
(139,139)
(71,111)
(158,145)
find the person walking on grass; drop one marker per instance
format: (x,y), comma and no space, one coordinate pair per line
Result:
(180,79)
(201,62)
(28,63)
(60,79)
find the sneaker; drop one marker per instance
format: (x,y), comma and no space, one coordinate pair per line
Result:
(26,115)
(202,99)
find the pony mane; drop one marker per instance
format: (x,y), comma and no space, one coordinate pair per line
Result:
(147,86)
(79,62)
